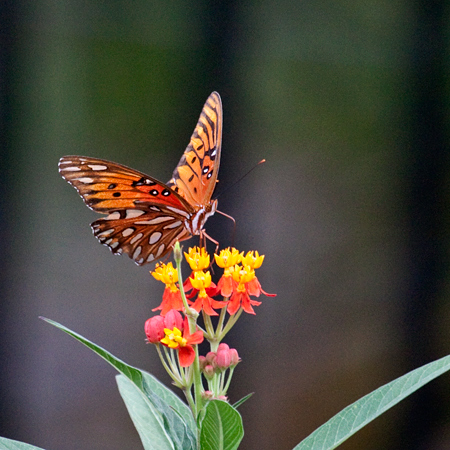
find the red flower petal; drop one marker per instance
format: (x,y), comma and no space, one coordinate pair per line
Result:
(171,300)
(235,303)
(254,288)
(225,286)
(186,356)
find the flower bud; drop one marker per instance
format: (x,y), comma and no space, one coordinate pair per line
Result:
(207,395)
(223,359)
(209,371)
(154,329)
(211,358)
(177,253)
(202,362)
(234,357)
(173,319)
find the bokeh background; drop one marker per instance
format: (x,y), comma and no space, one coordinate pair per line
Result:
(349,103)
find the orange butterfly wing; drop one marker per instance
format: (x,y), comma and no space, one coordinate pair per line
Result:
(195,176)
(145,218)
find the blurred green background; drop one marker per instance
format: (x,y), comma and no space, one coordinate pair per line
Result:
(348,102)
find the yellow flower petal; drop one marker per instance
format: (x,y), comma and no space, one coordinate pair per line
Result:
(253,259)
(201,280)
(243,274)
(167,274)
(197,258)
(228,257)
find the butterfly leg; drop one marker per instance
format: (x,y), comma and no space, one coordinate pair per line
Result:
(203,235)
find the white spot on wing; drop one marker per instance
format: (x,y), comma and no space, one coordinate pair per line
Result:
(150,258)
(105,233)
(155,208)
(85,180)
(179,211)
(137,252)
(132,213)
(127,232)
(97,167)
(172,225)
(136,238)
(113,216)
(71,169)
(114,244)
(154,237)
(160,250)
(154,221)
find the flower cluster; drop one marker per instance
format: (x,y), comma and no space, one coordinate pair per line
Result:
(214,367)
(237,283)
(176,333)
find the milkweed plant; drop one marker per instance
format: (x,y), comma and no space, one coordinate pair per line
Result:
(207,419)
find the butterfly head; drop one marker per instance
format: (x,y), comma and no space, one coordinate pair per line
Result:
(197,220)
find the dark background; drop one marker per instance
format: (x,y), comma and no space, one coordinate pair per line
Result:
(347,101)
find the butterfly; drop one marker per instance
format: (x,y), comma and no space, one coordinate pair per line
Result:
(145,216)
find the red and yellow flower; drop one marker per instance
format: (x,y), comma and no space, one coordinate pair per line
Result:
(242,275)
(172,296)
(173,332)
(182,341)
(202,283)
(254,261)
(198,260)
(227,260)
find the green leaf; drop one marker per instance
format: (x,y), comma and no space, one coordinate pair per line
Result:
(221,427)
(152,385)
(351,419)
(175,416)
(9,444)
(153,428)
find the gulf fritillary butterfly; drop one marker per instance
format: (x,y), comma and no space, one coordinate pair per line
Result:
(145,216)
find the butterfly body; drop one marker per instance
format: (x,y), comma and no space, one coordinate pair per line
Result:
(145,216)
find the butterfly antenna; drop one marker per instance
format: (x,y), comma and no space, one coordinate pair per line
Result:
(240,179)
(234,225)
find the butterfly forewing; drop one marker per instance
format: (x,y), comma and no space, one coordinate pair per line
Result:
(107,186)
(195,176)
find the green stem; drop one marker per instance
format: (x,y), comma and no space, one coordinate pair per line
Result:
(175,376)
(192,315)
(190,400)
(222,316)
(230,375)
(209,335)
(231,321)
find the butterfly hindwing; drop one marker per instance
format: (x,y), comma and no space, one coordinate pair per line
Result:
(144,236)
(195,176)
